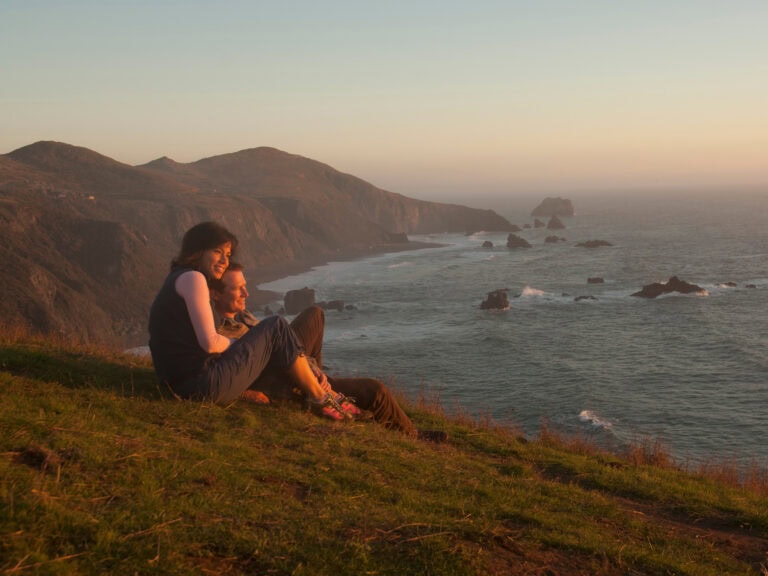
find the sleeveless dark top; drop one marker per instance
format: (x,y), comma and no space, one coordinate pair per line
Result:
(176,354)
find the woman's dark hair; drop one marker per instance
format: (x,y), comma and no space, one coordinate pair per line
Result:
(198,239)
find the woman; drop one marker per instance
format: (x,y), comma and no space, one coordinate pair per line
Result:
(198,363)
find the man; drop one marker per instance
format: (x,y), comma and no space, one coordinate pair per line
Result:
(229,296)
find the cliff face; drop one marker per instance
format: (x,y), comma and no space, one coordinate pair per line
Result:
(87,240)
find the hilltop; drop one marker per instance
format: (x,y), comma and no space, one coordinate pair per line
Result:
(87,240)
(101,472)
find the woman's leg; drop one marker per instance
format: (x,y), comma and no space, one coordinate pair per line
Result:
(305,378)
(308,328)
(270,343)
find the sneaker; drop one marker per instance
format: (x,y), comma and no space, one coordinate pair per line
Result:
(348,406)
(328,408)
(436,436)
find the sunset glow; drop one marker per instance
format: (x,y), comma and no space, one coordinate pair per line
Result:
(419,98)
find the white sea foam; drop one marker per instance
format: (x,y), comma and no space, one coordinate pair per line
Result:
(528,291)
(593,419)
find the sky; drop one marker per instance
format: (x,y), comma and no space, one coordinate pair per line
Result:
(428,98)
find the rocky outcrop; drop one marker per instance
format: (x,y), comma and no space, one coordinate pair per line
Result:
(593,244)
(554,207)
(555,223)
(496,300)
(595,280)
(553,239)
(296,301)
(674,284)
(487,244)
(514,241)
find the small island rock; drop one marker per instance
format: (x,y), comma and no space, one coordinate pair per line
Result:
(514,241)
(555,223)
(297,300)
(496,300)
(674,284)
(554,207)
(593,244)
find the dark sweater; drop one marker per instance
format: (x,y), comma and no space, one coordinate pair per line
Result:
(176,354)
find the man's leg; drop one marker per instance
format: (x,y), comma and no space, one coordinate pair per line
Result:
(373,395)
(309,327)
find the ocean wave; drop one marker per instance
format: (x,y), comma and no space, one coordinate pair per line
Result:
(594,420)
(400,264)
(528,291)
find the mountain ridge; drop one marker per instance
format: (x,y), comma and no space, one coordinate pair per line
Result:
(88,239)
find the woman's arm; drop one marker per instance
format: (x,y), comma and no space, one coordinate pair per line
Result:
(192,287)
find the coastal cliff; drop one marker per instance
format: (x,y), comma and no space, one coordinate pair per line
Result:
(88,239)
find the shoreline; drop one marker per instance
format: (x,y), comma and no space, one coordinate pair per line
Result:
(260,298)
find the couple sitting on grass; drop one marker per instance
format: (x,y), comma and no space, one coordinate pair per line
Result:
(227,355)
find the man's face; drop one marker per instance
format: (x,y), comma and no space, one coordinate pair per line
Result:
(233,297)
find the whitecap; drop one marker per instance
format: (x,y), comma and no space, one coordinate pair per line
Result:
(596,421)
(528,291)
(400,264)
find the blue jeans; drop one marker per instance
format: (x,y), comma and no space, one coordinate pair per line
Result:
(270,344)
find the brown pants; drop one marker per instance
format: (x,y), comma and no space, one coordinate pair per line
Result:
(368,393)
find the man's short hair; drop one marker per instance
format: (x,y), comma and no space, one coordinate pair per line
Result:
(217,284)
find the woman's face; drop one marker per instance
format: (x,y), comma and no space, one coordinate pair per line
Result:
(214,262)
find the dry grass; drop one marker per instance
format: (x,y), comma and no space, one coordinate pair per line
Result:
(101,474)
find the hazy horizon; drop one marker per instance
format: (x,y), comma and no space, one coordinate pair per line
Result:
(429,100)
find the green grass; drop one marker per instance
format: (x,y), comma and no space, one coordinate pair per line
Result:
(101,472)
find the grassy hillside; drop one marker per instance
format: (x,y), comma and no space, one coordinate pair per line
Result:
(102,473)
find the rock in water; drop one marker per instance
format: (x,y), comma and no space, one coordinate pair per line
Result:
(554,207)
(514,241)
(298,300)
(496,300)
(674,284)
(555,223)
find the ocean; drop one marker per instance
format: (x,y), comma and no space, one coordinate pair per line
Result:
(688,371)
